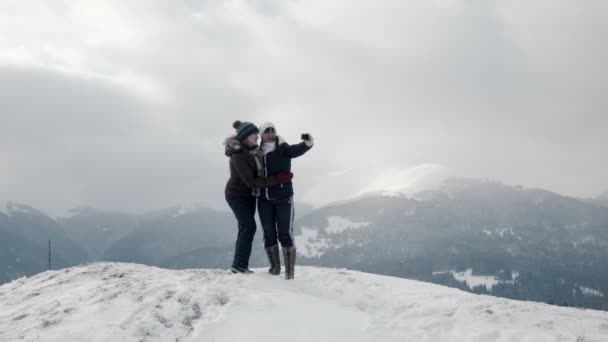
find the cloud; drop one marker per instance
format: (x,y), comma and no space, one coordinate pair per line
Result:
(376,179)
(125,104)
(409,181)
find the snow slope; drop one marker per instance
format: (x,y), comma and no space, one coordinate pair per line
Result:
(129,302)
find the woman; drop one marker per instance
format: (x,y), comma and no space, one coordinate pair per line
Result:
(243,187)
(275,204)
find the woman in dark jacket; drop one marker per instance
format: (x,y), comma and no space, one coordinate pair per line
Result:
(243,186)
(275,204)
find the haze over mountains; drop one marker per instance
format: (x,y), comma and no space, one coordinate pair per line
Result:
(502,240)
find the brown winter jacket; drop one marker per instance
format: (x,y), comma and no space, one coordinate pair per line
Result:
(244,169)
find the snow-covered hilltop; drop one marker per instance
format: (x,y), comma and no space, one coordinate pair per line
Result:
(129,302)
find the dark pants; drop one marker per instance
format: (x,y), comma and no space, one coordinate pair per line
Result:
(244,211)
(277,220)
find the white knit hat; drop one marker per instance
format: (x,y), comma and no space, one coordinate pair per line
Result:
(265,126)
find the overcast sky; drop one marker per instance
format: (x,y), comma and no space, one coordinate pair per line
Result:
(125,104)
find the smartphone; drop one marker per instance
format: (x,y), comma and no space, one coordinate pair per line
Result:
(305,136)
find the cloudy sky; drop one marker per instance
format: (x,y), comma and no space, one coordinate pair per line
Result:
(125,104)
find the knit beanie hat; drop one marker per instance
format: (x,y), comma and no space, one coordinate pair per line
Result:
(267,125)
(244,129)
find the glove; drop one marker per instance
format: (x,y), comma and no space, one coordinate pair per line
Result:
(284,177)
(310,141)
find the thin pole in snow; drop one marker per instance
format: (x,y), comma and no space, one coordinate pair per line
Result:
(49,254)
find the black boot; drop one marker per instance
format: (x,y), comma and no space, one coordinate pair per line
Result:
(240,270)
(289,256)
(274,259)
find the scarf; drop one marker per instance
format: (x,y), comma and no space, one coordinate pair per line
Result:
(257,156)
(268,147)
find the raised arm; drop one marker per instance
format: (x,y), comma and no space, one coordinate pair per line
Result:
(295,151)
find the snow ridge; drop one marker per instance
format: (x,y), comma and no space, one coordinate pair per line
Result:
(129,302)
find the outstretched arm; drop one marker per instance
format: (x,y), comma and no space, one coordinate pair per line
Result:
(294,151)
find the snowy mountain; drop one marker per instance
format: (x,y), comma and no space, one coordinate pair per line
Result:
(482,236)
(24,236)
(162,237)
(96,230)
(355,183)
(166,234)
(129,302)
(486,210)
(601,200)
(556,245)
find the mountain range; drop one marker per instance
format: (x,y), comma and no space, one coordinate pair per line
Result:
(478,235)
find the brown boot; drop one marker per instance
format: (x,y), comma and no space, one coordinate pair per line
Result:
(274,259)
(289,256)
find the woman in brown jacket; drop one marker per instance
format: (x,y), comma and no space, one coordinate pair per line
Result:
(243,187)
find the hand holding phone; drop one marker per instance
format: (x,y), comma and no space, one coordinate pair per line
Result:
(308,139)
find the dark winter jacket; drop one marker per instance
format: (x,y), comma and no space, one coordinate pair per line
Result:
(244,169)
(279,161)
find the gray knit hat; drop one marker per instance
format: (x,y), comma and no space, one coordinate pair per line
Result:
(244,129)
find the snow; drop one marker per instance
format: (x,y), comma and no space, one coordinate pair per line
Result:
(587,291)
(488,281)
(394,181)
(309,245)
(13,208)
(337,224)
(589,238)
(472,281)
(388,180)
(129,302)
(181,210)
(184,210)
(393,194)
(504,231)
(312,246)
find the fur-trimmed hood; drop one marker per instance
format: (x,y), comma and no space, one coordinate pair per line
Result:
(232,145)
